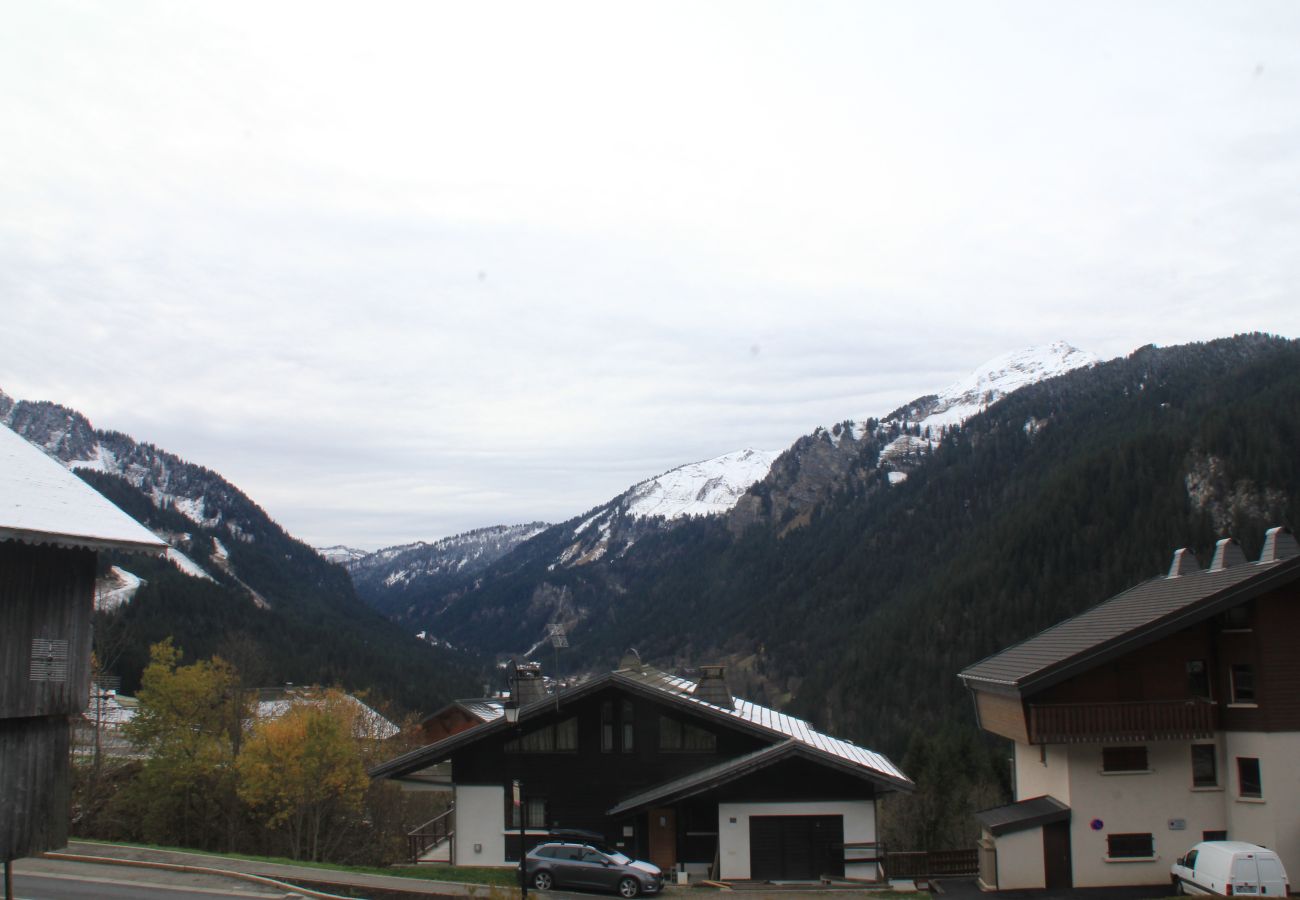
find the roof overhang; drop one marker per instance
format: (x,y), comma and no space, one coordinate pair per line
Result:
(77,542)
(1274,576)
(1021,816)
(716,776)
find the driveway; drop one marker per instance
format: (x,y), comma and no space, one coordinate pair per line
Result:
(966,889)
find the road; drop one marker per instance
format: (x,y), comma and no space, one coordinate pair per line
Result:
(44,879)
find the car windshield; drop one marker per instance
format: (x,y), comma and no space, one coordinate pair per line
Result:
(620,858)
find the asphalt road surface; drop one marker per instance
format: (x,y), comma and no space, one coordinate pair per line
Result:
(43,879)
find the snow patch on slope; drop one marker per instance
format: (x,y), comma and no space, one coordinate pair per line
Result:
(704,488)
(115,588)
(1001,376)
(186,565)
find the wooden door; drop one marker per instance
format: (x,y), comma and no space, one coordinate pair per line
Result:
(663,839)
(1057,865)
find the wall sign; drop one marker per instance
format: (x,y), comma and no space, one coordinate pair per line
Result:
(1097,824)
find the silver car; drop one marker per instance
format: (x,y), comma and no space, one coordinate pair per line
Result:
(583,864)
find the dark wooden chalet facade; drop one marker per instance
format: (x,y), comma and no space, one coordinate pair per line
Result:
(1168,714)
(51,526)
(667,770)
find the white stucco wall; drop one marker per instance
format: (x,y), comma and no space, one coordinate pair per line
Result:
(1020,860)
(1042,771)
(733,836)
(480,819)
(1273,820)
(1138,803)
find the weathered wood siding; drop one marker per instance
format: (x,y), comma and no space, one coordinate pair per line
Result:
(46,594)
(34,783)
(1002,715)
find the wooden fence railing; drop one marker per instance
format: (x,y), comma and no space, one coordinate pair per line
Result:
(430,834)
(931,863)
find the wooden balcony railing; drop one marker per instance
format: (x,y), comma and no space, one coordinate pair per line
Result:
(1144,720)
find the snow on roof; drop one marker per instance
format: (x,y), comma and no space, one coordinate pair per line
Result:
(273,703)
(41,502)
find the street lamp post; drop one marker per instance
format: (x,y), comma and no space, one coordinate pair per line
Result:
(511,710)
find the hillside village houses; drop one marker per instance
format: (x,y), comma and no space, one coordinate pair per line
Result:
(1167,715)
(675,771)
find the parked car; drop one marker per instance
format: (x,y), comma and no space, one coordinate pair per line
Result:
(587,864)
(1230,869)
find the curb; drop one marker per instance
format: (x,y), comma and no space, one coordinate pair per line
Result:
(202,870)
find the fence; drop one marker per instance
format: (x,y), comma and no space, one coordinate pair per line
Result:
(931,863)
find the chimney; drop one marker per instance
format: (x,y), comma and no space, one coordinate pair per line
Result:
(1227,553)
(529,684)
(712,687)
(1185,563)
(1279,544)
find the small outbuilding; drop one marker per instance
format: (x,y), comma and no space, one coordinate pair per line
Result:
(52,525)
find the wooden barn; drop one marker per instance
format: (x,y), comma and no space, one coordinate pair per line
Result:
(51,526)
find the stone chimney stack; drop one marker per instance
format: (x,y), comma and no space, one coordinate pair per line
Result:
(712,687)
(529,684)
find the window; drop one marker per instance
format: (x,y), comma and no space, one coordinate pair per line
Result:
(562,737)
(1243,683)
(536,811)
(607,727)
(1249,783)
(618,734)
(1214,835)
(1198,679)
(1237,618)
(1124,759)
(627,721)
(679,737)
(1130,846)
(1205,771)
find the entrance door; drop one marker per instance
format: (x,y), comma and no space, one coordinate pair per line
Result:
(663,838)
(795,848)
(1057,866)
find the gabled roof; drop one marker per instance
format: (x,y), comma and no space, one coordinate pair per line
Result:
(485,709)
(1031,813)
(742,715)
(1139,616)
(728,771)
(41,502)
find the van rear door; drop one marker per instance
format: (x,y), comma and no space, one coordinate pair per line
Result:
(1245,875)
(1272,879)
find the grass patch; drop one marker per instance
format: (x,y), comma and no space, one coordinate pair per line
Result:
(460,874)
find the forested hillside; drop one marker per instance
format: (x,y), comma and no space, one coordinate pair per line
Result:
(249,592)
(859,610)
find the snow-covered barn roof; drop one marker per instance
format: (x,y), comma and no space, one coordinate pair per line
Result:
(41,502)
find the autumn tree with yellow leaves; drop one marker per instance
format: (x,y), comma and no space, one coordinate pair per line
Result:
(302,775)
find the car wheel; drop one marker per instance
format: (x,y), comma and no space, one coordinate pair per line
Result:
(543,881)
(628,887)
(1178,888)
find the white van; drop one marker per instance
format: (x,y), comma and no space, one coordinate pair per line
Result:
(1230,869)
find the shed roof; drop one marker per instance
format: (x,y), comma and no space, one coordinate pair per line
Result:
(1026,814)
(1138,616)
(41,502)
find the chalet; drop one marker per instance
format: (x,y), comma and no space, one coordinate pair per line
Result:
(1167,715)
(367,723)
(670,770)
(457,716)
(52,524)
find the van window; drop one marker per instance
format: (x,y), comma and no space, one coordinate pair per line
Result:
(1270,871)
(1244,871)
(1190,862)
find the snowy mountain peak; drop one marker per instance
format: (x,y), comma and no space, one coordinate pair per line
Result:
(699,489)
(341,554)
(999,377)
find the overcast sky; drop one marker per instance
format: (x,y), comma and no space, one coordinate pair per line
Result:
(402,270)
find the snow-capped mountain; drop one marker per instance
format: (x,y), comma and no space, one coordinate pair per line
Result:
(992,381)
(704,488)
(385,576)
(344,556)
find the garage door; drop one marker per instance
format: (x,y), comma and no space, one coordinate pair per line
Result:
(795,848)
